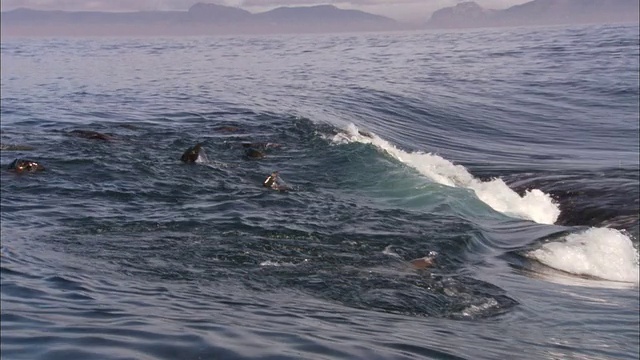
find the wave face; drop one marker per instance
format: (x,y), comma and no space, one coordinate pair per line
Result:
(505,161)
(533,205)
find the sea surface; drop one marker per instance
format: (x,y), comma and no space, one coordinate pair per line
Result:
(510,157)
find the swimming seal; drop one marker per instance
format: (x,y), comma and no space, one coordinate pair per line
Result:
(192,153)
(88,134)
(23,165)
(424,262)
(228,128)
(254,154)
(274,182)
(261,145)
(270,181)
(12,147)
(365,134)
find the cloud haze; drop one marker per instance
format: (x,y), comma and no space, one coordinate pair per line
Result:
(407,10)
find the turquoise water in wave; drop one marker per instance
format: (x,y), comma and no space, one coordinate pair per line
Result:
(509,156)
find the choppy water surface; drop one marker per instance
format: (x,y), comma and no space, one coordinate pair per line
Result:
(511,156)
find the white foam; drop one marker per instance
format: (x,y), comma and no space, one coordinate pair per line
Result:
(603,253)
(202,157)
(475,310)
(389,251)
(270,263)
(278,263)
(535,205)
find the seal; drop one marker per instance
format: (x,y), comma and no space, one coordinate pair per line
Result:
(422,263)
(192,153)
(273,182)
(228,128)
(13,147)
(88,134)
(261,145)
(365,134)
(24,165)
(252,153)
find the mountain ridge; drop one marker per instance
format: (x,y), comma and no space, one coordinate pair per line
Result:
(469,14)
(207,18)
(200,18)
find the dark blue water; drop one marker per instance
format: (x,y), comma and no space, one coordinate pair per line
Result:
(510,157)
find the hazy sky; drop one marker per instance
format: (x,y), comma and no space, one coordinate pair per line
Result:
(399,9)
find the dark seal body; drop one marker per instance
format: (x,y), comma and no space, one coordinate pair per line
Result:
(252,153)
(274,182)
(12,147)
(88,134)
(191,155)
(270,181)
(423,262)
(23,165)
(261,145)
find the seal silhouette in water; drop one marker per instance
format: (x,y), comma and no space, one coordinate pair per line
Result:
(365,134)
(228,128)
(261,145)
(192,153)
(274,182)
(23,165)
(252,153)
(13,147)
(423,262)
(88,134)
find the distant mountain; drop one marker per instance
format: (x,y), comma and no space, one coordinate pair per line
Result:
(322,18)
(321,14)
(217,13)
(201,18)
(537,12)
(36,18)
(466,14)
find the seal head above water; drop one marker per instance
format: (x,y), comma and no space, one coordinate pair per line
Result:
(192,153)
(274,182)
(23,165)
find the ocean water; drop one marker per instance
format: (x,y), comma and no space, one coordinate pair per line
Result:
(509,156)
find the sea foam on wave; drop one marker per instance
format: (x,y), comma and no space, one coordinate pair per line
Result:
(603,253)
(535,205)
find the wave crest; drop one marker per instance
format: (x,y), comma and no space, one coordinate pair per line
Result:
(602,253)
(534,205)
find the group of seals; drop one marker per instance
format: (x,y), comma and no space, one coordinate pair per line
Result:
(253,151)
(192,154)
(274,182)
(26,165)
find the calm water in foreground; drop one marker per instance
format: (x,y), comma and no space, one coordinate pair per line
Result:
(511,154)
